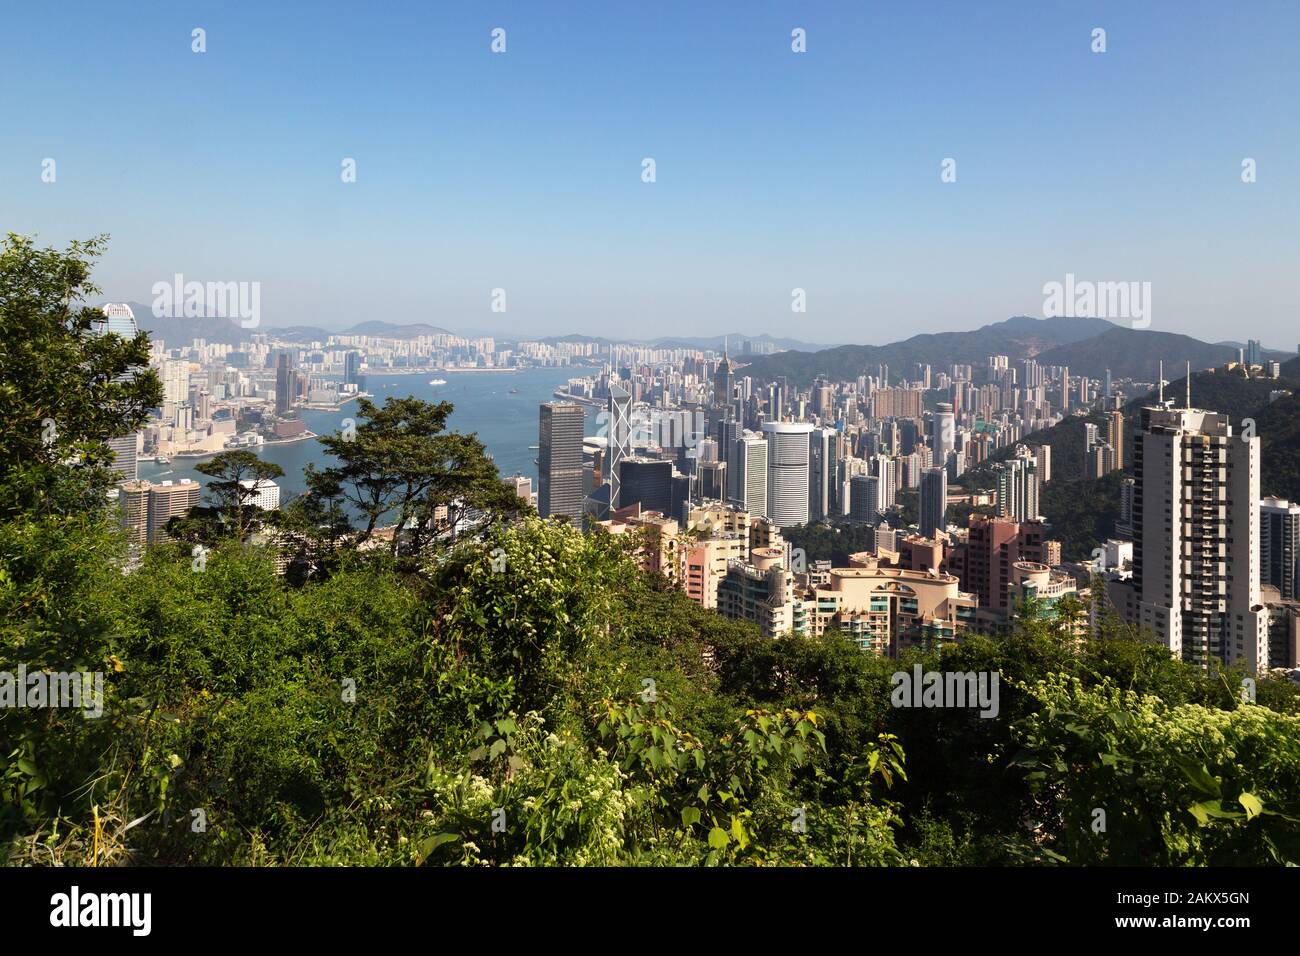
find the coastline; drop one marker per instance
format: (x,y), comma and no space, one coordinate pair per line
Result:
(253,448)
(565,396)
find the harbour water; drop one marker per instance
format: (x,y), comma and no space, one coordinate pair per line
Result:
(501,407)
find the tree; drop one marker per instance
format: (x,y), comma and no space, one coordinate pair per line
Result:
(400,462)
(64,390)
(229,470)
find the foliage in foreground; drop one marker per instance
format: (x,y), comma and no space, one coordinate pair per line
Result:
(563,709)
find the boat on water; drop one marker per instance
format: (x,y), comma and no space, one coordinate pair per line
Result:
(437,381)
(514,391)
(162,460)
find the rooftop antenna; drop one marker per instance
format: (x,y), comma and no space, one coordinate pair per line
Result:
(1162,382)
(1189,384)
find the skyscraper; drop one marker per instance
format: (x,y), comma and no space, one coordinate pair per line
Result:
(943,433)
(1196,530)
(723,382)
(1115,437)
(934,501)
(864,499)
(647,482)
(787,472)
(727,431)
(120,320)
(559,460)
(1279,546)
(751,480)
(146,507)
(284,384)
(176,381)
(711,483)
(1017,485)
(352,371)
(619,415)
(133,500)
(822,462)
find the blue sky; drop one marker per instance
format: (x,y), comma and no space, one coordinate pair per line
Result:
(775,170)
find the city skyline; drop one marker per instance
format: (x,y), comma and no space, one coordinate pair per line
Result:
(485,436)
(776,170)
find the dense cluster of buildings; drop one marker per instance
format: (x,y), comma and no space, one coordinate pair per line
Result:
(711,467)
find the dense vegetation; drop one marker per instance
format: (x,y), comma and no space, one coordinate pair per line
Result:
(525,696)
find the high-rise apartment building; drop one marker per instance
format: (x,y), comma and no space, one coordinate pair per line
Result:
(265,493)
(1196,537)
(559,460)
(933,501)
(133,500)
(889,471)
(1254,353)
(1115,437)
(1279,546)
(146,507)
(750,482)
(897,403)
(864,499)
(176,381)
(1017,489)
(986,561)
(1125,524)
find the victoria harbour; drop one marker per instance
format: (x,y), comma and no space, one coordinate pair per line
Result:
(499,406)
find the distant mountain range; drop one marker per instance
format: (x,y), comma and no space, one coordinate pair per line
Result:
(182,331)
(1019,337)
(1087,346)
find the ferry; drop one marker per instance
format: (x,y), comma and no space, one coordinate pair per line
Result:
(437,381)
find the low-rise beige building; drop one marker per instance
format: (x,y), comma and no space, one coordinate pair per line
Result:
(887,609)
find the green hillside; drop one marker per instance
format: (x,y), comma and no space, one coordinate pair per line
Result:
(1136,354)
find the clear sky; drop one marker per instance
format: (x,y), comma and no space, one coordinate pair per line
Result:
(775,170)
